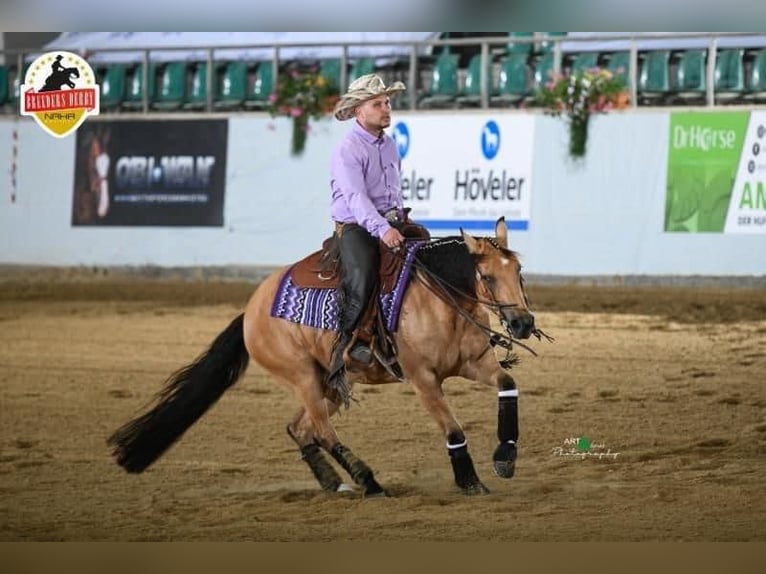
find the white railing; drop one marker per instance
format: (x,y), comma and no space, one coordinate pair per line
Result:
(420,53)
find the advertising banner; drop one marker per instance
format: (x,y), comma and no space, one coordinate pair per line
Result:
(716,172)
(469,175)
(161,173)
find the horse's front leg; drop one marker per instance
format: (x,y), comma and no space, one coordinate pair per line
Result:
(430,391)
(486,370)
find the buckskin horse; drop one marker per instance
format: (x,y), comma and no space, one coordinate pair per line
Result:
(444,329)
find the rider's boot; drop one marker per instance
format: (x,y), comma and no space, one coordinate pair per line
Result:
(348,352)
(346,349)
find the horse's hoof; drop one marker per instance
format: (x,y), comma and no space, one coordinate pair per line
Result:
(371,488)
(504,468)
(477,489)
(374,490)
(504,459)
(342,487)
(380,494)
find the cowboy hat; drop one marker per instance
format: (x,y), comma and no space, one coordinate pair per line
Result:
(362,89)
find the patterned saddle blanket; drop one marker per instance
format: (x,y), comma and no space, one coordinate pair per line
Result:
(301,301)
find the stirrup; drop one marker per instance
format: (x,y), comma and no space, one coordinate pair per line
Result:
(361,353)
(391,365)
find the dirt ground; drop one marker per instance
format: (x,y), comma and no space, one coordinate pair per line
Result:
(664,388)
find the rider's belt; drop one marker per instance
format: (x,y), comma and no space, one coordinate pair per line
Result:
(392,215)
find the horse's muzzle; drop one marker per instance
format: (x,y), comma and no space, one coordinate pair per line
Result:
(520,323)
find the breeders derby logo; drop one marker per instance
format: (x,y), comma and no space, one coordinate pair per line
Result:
(59,92)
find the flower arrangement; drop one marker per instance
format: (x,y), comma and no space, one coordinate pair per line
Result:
(300,95)
(578,95)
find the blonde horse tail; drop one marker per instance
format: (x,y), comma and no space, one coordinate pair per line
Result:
(187,395)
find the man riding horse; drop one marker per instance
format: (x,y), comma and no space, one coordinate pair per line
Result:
(444,329)
(366,206)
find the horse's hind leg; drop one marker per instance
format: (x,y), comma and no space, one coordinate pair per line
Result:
(303,431)
(357,469)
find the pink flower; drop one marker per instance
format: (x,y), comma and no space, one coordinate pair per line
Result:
(296,112)
(273,97)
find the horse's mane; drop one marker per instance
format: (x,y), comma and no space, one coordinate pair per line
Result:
(448,258)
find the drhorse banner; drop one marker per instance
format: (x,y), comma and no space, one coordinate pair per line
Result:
(716,172)
(150,173)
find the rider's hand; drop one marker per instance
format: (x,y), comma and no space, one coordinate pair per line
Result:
(393,239)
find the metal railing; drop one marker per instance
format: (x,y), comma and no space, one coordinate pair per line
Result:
(420,58)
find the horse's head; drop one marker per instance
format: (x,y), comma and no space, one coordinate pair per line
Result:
(499,280)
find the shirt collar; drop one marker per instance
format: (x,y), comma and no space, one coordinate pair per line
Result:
(365,134)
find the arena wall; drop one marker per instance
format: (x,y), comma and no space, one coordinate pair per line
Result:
(603,215)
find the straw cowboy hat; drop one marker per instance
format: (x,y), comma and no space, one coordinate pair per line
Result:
(362,89)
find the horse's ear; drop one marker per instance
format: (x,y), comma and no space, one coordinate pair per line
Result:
(470,241)
(501,232)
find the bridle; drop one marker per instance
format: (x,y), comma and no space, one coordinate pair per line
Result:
(451,295)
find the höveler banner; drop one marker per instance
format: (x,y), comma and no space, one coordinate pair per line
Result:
(486,174)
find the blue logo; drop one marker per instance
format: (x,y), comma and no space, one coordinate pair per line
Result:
(490,139)
(401,136)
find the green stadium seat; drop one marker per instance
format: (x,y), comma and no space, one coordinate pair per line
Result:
(619,64)
(14,84)
(330,70)
(524,47)
(470,95)
(548,45)
(257,96)
(513,81)
(171,89)
(543,71)
(112,87)
(729,83)
(584,61)
(3,85)
(654,77)
(444,84)
(756,85)
(135,95)
(232,86)
(690,76)
(361,67)
(196,99)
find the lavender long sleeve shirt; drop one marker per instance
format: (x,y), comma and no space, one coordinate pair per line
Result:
(364,178)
